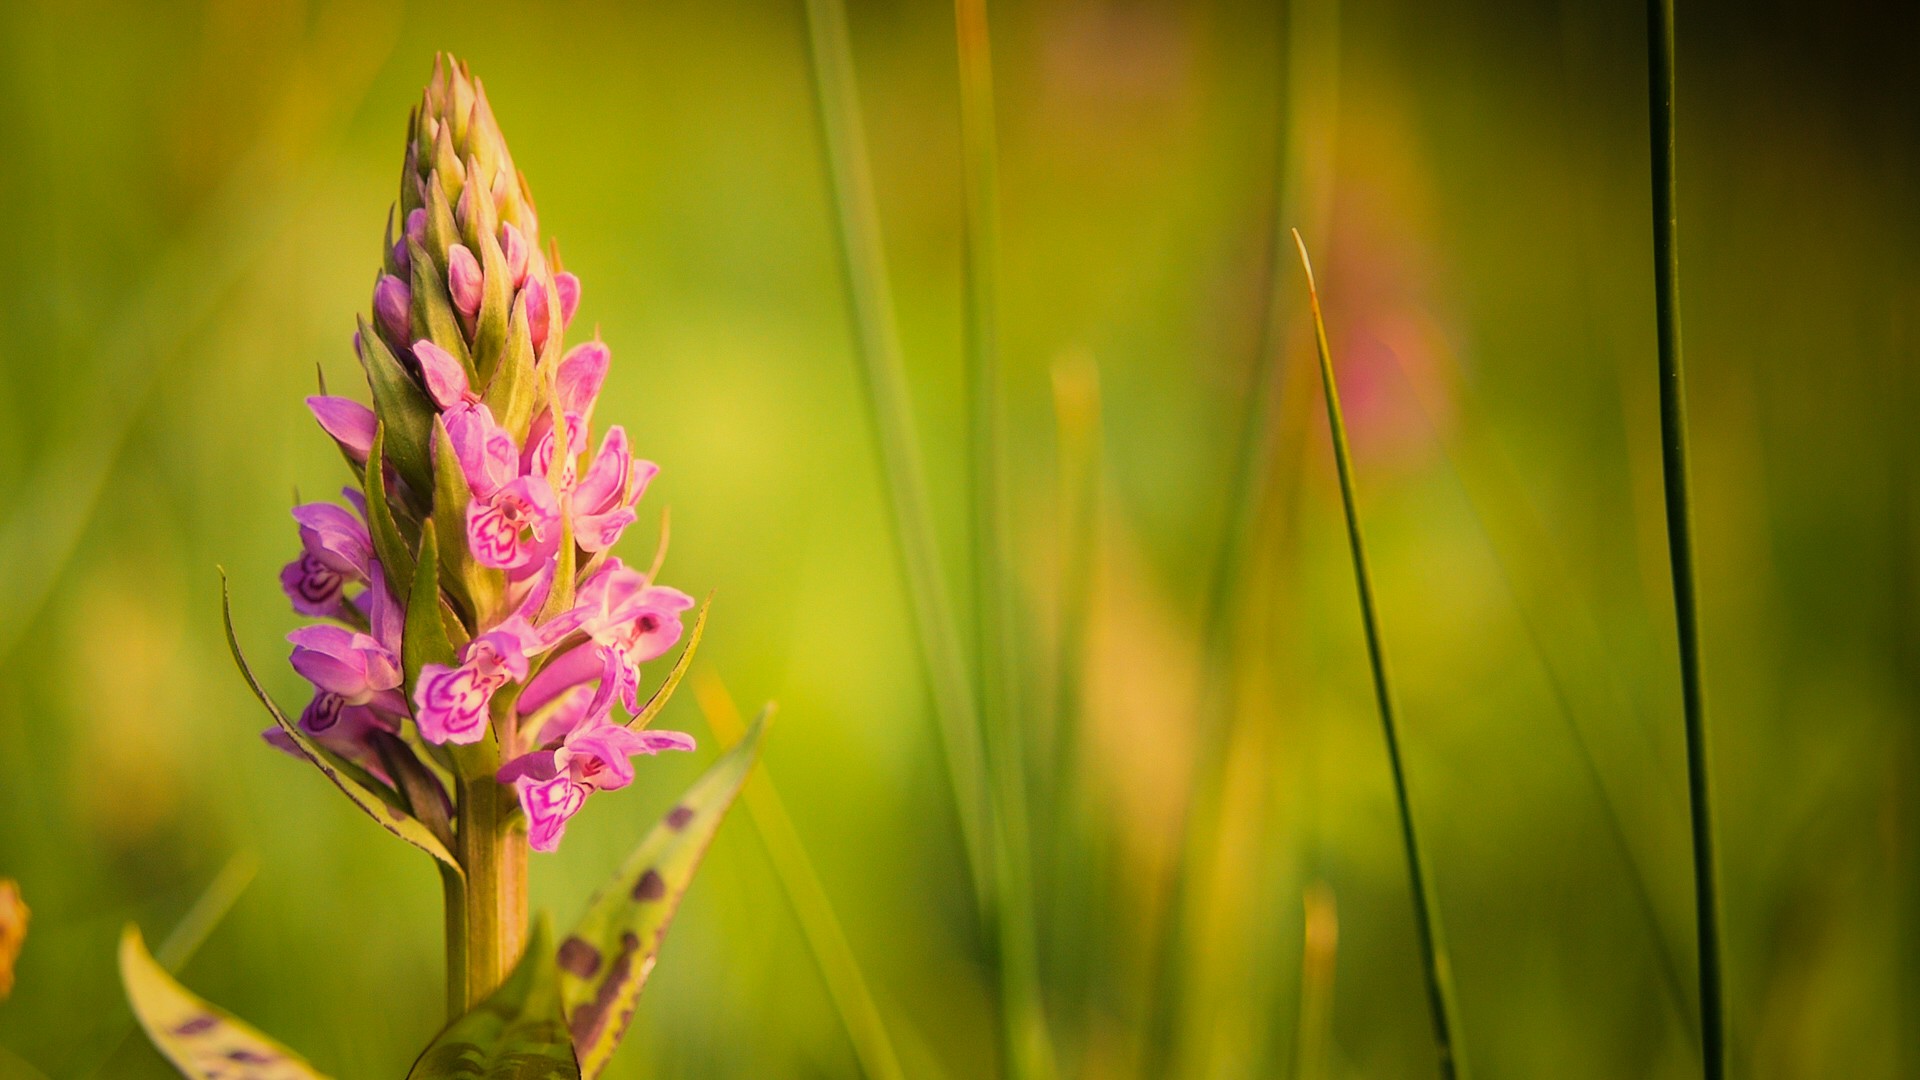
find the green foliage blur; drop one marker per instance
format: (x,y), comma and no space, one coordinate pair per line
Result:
(194,197)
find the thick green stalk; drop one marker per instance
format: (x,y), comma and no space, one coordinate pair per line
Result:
(492,848)
(1028,1048)
(1673,458)
(870,301)
(453,907)
(1433,950)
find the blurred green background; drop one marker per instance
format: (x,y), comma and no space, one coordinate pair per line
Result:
(194,198)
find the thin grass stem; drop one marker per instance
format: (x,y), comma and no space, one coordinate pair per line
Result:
(1433,951)
(1026,1042)
(877,337)
(826,938)
(1674,469)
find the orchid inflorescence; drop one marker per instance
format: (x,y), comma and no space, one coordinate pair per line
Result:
(479,420)
(477,650)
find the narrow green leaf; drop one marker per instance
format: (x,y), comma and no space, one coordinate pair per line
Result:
(380,807)
(496,297)
(403,408)
(560,596)
(433,315)
(425,640)
(1441,1008)
(661,696)
(202,1041)
(515,387)
(442,230)
(518,1033)
(396,558)
(605,962)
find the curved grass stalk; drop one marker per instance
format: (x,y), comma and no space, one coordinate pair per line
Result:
(1673,458)
(1433,950)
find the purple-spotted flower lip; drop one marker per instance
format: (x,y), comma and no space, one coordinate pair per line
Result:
(335,552)
(594,754)
(452,704)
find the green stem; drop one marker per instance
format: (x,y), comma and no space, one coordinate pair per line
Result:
(453,906)
(1028,1048)
(1673,458)
(492,848)
(1433,950)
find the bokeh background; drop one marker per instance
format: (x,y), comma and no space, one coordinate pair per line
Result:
(194,196)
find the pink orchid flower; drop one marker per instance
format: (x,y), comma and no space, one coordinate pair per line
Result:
(335,551)
(451,703)
(351,424)
(513,520)
(627,621)
(591,755)
(602,506)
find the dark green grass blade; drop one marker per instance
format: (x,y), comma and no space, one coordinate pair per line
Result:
(1673,459)
(1026,1043)
(1433,951)
(877,338)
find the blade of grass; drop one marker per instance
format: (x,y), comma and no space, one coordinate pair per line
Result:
(1307,115)
(1027,1045)
(1673,458)
(877,337)
(1433,950)
(808,897)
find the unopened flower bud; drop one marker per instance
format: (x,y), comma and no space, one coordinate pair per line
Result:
(393,306)
(538,307)
(463,276)
(568,286)
(513,244)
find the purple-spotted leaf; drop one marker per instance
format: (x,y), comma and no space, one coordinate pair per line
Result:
(605,962)
(202,1041)
(381,806)
(672,682)
(518,1033)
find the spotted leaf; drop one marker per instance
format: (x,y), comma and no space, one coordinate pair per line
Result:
(202,1041)
(605,962)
